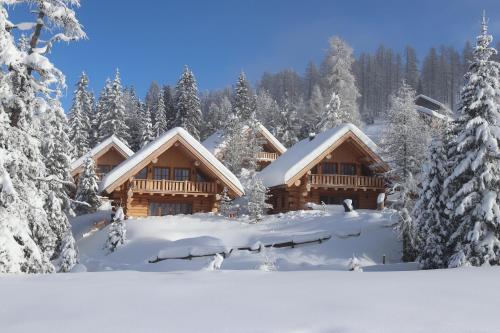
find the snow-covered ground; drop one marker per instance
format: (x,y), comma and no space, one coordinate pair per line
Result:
(311,290)
(366,234)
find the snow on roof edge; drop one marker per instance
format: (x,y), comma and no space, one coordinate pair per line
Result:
(94,151)
(274,140)
(135,159)
(286,166)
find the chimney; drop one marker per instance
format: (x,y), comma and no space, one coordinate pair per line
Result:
(312,135)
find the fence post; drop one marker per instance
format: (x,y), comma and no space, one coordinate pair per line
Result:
(383,259)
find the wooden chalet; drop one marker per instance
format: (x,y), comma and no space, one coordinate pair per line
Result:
(271,148)
(433,112)
(341,163)
(107,155)
(174,174)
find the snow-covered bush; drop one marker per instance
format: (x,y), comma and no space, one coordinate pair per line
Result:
(354,264)
(117,231)
(216,263)
(268,260)
(69,253)
(87,190)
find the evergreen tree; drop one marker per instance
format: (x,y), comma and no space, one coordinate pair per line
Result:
(152,98)
(79,122)
(429,211)
(161,125)
(243,101)
(87,190)
(235,149)
(267,109)
(32,219)
(69,253)
(286,125)
(337,71)
(188,104)
(217,115)
(112,112)
(132,111)
(258,194)
(146,129)
(411,74)
(405,151)
(168,99)
(117,231)
(225,203)
(474,180)
(316,111)
(332,115)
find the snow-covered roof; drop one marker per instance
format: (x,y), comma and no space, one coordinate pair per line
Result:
(111,141)
(215,143)
(127,165)
(437,104)
(300,155)
(430,112)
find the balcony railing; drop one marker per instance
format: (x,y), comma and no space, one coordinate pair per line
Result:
(265,156)
(347,181)
(172,186)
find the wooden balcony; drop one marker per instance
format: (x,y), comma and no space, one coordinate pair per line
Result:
(165,186)
(265,156)
(344,181)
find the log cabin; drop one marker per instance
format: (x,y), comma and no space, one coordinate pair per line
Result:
(338,164)
(174,174)
(433,112)
(271,148)
(107,155)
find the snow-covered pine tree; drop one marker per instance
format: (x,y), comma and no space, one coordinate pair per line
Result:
(113,116)
(69,253)
(132,119)
(332,116)
(146,129)
(217,115)
(316,110)
(225,203)
(235,149)
(405,151)
(117,231)
(286,125)
(87,190)
(429,212)
(474,179)
(151,99)
(31,87)
(258,194)
(160,126)
(188,104)
(79,122)
(337,72)
(267,109)
(168,99)
(243,99)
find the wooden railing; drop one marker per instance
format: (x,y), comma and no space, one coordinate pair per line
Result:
(267,156)
(347,181)
(172,186)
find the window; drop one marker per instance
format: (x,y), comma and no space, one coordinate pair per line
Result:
(181,174)
(348,169)
(161,173)
(169,208)
(143,174)
(329,168)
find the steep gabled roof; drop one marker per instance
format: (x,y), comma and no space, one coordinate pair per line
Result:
(112,141)
(215,143)
(132,165)
(299,158)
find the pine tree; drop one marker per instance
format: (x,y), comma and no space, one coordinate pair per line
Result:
(316,111)
(32,219)
(168,99)
(188,104)
(267,109)
(217,115)
(405,151)
(243,101)
(132,111)
(258,194)
(332,115)
(117,231)
(69,253)
(87,190)
(146,129)
(474,180)
(235,149)
(160,126)
(429,211)
(337,69)
(286,125)
(79,122)
(225,203)
(113,112)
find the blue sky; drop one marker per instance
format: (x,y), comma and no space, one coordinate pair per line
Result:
(153,39)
